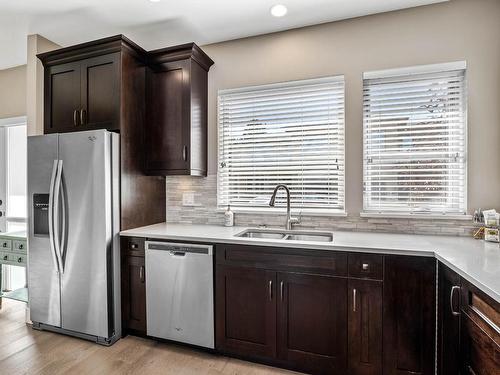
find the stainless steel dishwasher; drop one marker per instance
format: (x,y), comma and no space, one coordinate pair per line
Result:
(180,292)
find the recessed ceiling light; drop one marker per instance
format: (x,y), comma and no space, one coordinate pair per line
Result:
(155,1)
(278,10)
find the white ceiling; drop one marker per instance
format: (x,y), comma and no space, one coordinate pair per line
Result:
(168,22)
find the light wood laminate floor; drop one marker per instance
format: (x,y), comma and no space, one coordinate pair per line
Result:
(26,351)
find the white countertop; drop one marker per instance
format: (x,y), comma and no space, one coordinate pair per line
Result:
(475,260)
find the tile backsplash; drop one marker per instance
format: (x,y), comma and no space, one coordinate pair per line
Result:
(204,211)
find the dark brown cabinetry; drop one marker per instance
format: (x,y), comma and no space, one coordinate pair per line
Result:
(312,322)
(176,127)
(102,85)
(448,322)
(409,315)
(365,327)
(83,94)
(468,328)
(62,97)
(133,285)
(479,332)
(246,319)
(286,309)
(334,313)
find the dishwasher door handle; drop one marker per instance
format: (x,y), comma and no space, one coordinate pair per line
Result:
(177,253)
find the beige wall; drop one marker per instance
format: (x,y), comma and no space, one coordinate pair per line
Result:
(13,92)
(34,99)
(457,30)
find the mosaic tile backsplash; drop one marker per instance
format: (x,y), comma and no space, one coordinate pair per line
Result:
(205,212)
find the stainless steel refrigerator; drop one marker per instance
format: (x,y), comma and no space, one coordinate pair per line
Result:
(73,260)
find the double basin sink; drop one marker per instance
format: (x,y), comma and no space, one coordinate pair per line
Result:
(288,235)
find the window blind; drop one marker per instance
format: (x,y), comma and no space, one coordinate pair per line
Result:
(287,133)
(415,142)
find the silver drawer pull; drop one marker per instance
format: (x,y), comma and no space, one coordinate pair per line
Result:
(365,266)
(270,290)
(354,292)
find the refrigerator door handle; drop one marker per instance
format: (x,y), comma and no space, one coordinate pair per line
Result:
(51,215)
(57,231)
(62,246)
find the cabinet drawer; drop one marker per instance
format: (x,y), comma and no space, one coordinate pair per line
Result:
(133,246)
(19,246)
(13,259)
(481,309)
(481,352)
(5,244)
(287,259)
(366,266)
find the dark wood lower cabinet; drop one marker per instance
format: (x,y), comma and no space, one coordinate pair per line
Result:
(479,332)
(246,311)
(133,286)
(312,322)
(409,315)
(134,295)
(379,318)
(365,327)
(448,322)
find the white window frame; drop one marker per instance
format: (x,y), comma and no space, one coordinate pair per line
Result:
(408,71)
(279,210)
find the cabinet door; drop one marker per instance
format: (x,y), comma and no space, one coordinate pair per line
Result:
(168,119)
(134,295)
(312,322)
(100,92)
(365,327)
(409,315)
(62,98)
(246,311)
(448,322)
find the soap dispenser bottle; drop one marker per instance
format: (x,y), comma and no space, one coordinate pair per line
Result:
(228,217)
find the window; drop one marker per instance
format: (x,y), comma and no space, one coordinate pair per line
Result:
(287,133)
(415,140)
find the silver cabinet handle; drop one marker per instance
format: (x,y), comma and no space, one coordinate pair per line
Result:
(184,153)
(452,292)
(281,290)
(354,292)
(471,371)
(82,117)
(270,290)
(74,118)
(141,274)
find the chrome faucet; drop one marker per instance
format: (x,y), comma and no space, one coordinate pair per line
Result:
(289,219)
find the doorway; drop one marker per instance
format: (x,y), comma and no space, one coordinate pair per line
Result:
(13,183)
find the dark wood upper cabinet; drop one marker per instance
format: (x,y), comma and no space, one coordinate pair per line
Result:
(83,85)
(100,92)
(448,322)
(409,315)
(62,97)
(365,327)
(312,322)
(176,103)
(102,85)
(246,311)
